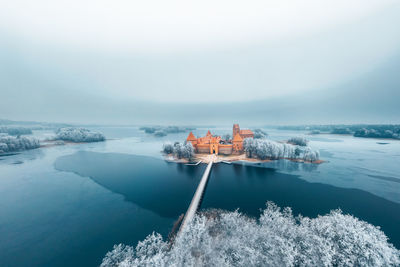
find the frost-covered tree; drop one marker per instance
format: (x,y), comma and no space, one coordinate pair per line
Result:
(268,149)
(315,132)
(340,130)
(78,135)
(185,151)
(168,148)
(277,238)
(299,141)
(15,130)
(149,130)
(259,134)
(11,143)
(226,137)
(188,151)
(310,155)
(160,133)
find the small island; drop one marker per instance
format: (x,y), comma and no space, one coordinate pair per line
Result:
(243,146)
(13,139)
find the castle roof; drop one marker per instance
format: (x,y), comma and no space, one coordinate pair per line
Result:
(237,138)
(191,137)
(246,132)
(208,133)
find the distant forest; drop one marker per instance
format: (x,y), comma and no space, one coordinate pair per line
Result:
(161,131)
(357,130)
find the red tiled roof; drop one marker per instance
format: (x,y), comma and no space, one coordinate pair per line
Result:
(246,132)
(191,137)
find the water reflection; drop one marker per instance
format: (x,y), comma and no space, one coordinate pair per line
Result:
(162,187)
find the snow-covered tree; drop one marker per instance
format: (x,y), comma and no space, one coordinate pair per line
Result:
(11,143)
(310,155)
(226,137)
(299,141)
(160,133)
(259,134)
(78,135)
(168,148)
(277,238)
(185,151)
(15,130)
(268,149)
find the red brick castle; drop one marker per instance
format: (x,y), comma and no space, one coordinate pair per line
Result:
(216,145)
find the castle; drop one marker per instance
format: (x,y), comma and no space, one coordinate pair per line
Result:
(216,145)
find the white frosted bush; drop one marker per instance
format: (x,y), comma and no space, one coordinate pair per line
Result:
(185,151)
(276,239)
(15,130)
(299,141)
(11,143)
(310,155)
(78,135)
(268,149)
(168,148)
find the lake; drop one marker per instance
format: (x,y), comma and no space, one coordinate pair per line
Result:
(68,205)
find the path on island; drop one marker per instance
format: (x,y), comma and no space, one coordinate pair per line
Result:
(196,201)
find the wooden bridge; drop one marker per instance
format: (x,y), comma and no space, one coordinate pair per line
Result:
(196,201)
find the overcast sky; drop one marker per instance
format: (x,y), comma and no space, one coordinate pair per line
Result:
(151,61)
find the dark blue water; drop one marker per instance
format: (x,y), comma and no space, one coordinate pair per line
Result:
(68,206)
(156,185)
(167,188)
(248,188)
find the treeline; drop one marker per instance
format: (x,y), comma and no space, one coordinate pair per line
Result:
(298,141)
(260,134)
(161,131)
(14,130)
(185,151)
(378,133)
(268,149)
(357,130)
(11,143)
(276,238)
(34,124)
(78,135)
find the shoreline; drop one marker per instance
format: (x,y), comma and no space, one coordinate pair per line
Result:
(206,158)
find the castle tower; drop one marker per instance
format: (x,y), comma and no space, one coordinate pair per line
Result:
(237,142)
(191,138)
(209,133)
(235,130)
(214,145)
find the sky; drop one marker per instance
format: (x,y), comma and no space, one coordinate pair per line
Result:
(200,62)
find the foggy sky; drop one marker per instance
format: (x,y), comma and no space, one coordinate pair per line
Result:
(264,63)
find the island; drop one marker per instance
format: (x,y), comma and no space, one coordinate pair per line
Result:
(243,146)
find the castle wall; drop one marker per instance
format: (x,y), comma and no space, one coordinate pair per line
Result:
(203,148)
(211,144)
(225,149)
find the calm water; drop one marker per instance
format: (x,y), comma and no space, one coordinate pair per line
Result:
(69,205)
